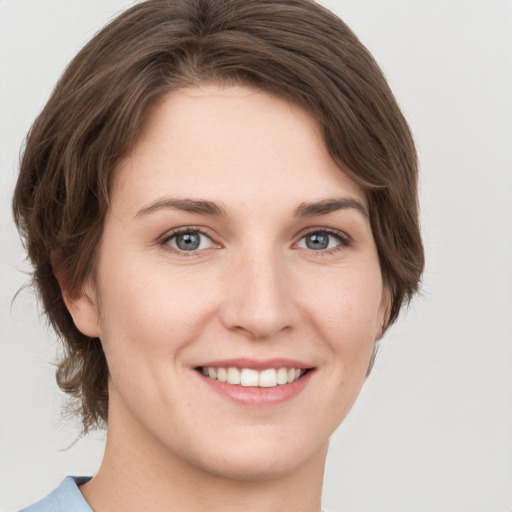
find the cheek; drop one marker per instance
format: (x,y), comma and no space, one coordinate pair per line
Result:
(149,310)
(346,309)
(147,319)
(346,301)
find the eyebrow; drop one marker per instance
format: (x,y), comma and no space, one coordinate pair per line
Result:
(204,207)
(199,206)
(328,206)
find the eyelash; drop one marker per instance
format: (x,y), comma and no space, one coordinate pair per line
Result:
(343,239)
(184,230)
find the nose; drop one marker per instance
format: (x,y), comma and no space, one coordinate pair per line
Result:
(259,296)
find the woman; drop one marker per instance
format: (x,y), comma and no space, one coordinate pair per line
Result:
(219,201)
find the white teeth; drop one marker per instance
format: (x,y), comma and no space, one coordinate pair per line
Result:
(249,377)
(233,376)
(282,376)
(222,374)
(268,378)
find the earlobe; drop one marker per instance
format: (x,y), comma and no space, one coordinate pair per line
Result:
(82,306)
(384,312)
(382,325)
(83,309)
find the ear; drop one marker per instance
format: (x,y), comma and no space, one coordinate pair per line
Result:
(384,312)
(382,323)
(82,305)
(83,308)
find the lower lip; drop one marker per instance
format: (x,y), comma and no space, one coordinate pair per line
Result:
(258,396)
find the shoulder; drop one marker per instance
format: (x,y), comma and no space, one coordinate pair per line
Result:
(66,498)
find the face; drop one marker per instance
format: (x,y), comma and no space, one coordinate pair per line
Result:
(238,293)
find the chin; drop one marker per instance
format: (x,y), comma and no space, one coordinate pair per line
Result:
(261,453)
(271,464)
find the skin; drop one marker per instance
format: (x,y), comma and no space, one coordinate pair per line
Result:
(253,289)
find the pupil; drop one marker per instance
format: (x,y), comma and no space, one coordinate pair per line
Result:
(188,241)
(317,241)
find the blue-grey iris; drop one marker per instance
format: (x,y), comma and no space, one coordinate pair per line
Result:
(188,241)
(317,241)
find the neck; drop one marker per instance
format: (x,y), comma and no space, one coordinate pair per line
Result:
(138,474)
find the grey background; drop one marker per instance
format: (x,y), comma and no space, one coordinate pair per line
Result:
(432,430)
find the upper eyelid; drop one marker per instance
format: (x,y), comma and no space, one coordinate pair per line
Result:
(164,240)
(344,242)
(331,231)
(186,229)
(210,234)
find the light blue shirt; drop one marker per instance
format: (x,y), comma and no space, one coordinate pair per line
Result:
(66,498)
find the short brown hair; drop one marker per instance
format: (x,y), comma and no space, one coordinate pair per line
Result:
(292,48)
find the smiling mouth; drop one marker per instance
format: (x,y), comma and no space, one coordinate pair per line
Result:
(249,377)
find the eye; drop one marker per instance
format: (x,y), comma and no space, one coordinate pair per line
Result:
(322,241)
(189,240)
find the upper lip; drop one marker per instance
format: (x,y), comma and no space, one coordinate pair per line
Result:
(257,364)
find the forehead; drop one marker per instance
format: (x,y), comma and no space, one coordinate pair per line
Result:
(234,144)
